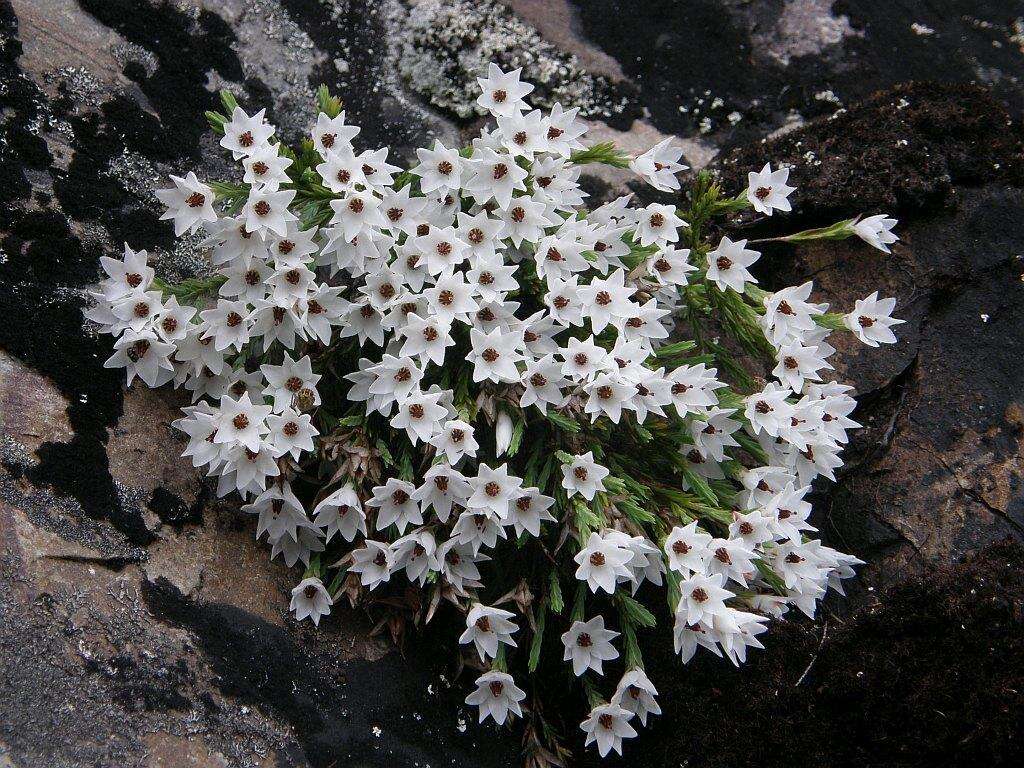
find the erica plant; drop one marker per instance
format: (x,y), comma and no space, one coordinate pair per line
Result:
(456,384)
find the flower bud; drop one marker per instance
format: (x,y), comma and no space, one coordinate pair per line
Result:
(502,433)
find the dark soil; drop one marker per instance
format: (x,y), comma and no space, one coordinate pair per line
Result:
(901,151)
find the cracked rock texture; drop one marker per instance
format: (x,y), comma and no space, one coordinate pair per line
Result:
(141,625)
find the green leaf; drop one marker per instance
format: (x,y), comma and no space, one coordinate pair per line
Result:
(385,454)
(517,437)
(562,421)
(832,320)
(699,485)
(538,638)
(555,592)
(328,104)
(838,231)
(633,611)
(633,658)
(674,350)
(216,121)
(228,100)
(604,152)
(579,605)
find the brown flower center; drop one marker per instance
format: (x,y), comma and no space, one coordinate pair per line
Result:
(195,200)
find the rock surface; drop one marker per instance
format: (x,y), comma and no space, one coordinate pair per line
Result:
(141,625)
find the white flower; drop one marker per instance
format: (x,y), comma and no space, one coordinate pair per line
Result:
(606,395)
(767,190)
(455,440)
(341,170)
(243,135)
(769,410)
(750,528)
(440,168)
(583,359)
(670,266)
(727,264)
(687,549)
(701,596)
(687,637)
(542,381)
(658,225)
(189,202)
(442,487)
(486,627)
(241,422)
(659,165)
(502,92)
(635,693)
(267,212)
(608,725)
(788,314)
(495,176)
(492,490)
(732,559)
(496,695)
(564,130)
(494,355)
(602,562)
(291,432)
(373,562)
(583,476)
(331,133)
(693,388)
(228,324)
(310,599)
(529,510)
(588,645)
(395,505)
(458,564)
(415,553)
(266,168)
(876,231)
(287,380)
(798,364)
(341,513)
(420,415)
(142,354)
(127,275)
(451,298)
(871,320)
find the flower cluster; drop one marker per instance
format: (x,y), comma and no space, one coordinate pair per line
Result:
(457,370)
